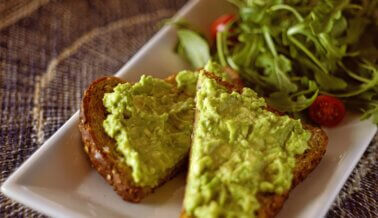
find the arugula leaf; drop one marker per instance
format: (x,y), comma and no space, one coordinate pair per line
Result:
(368,96)
(334,51)
(340,27)
(194,48)
(276,69)
(300,29)
(326,82)
(221,47)
(371,112)
(330,82)
(295,102)
(324,15)
(356,28)
(248,52)
(369,108)
(275,66)
(368,83)
(285,103)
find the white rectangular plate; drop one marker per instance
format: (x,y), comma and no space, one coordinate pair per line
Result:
(57,180)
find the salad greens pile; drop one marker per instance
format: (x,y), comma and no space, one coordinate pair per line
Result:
(290,51)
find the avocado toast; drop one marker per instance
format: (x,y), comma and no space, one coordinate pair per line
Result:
(105,146)
(137,136)
(102,129)
(244,158)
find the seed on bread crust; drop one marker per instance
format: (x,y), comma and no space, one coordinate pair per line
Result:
(106,149)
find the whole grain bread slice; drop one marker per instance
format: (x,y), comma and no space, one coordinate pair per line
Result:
(272,203)
(101,149)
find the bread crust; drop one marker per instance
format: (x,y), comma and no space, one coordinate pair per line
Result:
(271,203)
(101,149)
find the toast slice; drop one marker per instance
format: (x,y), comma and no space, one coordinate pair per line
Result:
(101,149)
(271,203)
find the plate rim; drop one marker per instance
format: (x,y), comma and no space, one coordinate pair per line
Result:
(332,197)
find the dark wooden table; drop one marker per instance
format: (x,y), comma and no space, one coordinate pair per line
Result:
(51,50)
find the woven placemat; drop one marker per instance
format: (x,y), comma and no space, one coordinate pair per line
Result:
(51,50)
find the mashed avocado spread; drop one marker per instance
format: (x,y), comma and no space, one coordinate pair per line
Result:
(239,149)
(152,122)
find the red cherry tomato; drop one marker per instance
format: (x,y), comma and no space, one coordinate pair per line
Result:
(220,23)
(327,111)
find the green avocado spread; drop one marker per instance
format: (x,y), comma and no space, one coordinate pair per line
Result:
(151,122)
(239,149)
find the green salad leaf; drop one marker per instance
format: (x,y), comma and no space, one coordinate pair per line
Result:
(285,103)
(330,82)
(371,112)
(276,69)
(325,14)
(290,51)
(295,102)
(367,83)
(193,47)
